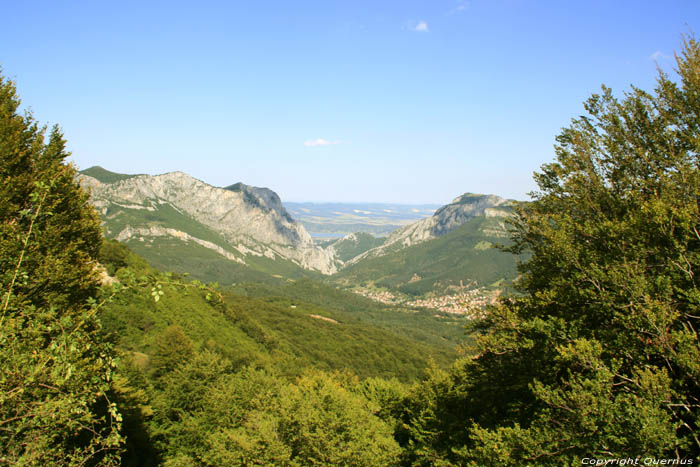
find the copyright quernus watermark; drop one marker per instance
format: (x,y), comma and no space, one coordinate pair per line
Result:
(635,461)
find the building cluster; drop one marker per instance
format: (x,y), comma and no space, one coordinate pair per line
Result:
(460,304)
(464,302)
(380,296)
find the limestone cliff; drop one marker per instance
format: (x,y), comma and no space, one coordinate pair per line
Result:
(445,220)
(251,221)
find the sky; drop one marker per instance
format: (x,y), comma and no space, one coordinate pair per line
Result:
(332,100)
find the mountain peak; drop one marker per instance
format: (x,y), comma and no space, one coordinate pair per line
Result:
(241,221)
(264,198)
(477,198)
(445,220)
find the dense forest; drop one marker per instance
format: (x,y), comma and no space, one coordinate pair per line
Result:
(107,361)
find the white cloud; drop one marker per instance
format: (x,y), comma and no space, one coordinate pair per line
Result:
(658,55)
(422,26)
(462,5)
(319,142)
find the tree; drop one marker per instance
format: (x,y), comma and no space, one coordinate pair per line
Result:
(600,357)
(172,348)
(325,424)
(54,367)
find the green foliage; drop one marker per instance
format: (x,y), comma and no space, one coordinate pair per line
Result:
(139,323)
(325,424)
(170,254)
(55,369)
(253,418)
(440,331)
(600,357)
(210,377)
(298,330)
(114,256)
(268,324)
(386,394)
(131,391)
(172,347)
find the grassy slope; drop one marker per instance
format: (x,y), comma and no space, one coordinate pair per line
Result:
(348,249)
(459,255)
(271,330)
(105,176)
(171,254)
(163,215)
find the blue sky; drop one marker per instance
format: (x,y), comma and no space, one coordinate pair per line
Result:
(385,101)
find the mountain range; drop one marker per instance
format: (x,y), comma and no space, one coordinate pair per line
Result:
(242,233)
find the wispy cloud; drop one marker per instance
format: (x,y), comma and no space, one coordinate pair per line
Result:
(462,5)
(658,55)
(422,26)
(319,142)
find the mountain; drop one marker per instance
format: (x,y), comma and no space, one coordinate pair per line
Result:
(353,245)
(445,220)
(464,258)
(242,233)
(453,249)
(180,223)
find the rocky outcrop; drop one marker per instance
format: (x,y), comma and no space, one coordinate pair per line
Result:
(248,218)
(462,208)
(445,220)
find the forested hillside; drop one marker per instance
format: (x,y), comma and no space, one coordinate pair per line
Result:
(299,326)
(186,348)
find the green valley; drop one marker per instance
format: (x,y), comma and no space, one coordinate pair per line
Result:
(285,324)
(429,257)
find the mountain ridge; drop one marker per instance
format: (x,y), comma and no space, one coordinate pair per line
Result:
(183,224)
(445,220)
(251,221)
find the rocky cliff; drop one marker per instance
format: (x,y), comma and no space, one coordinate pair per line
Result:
(249,220)
(445,220)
